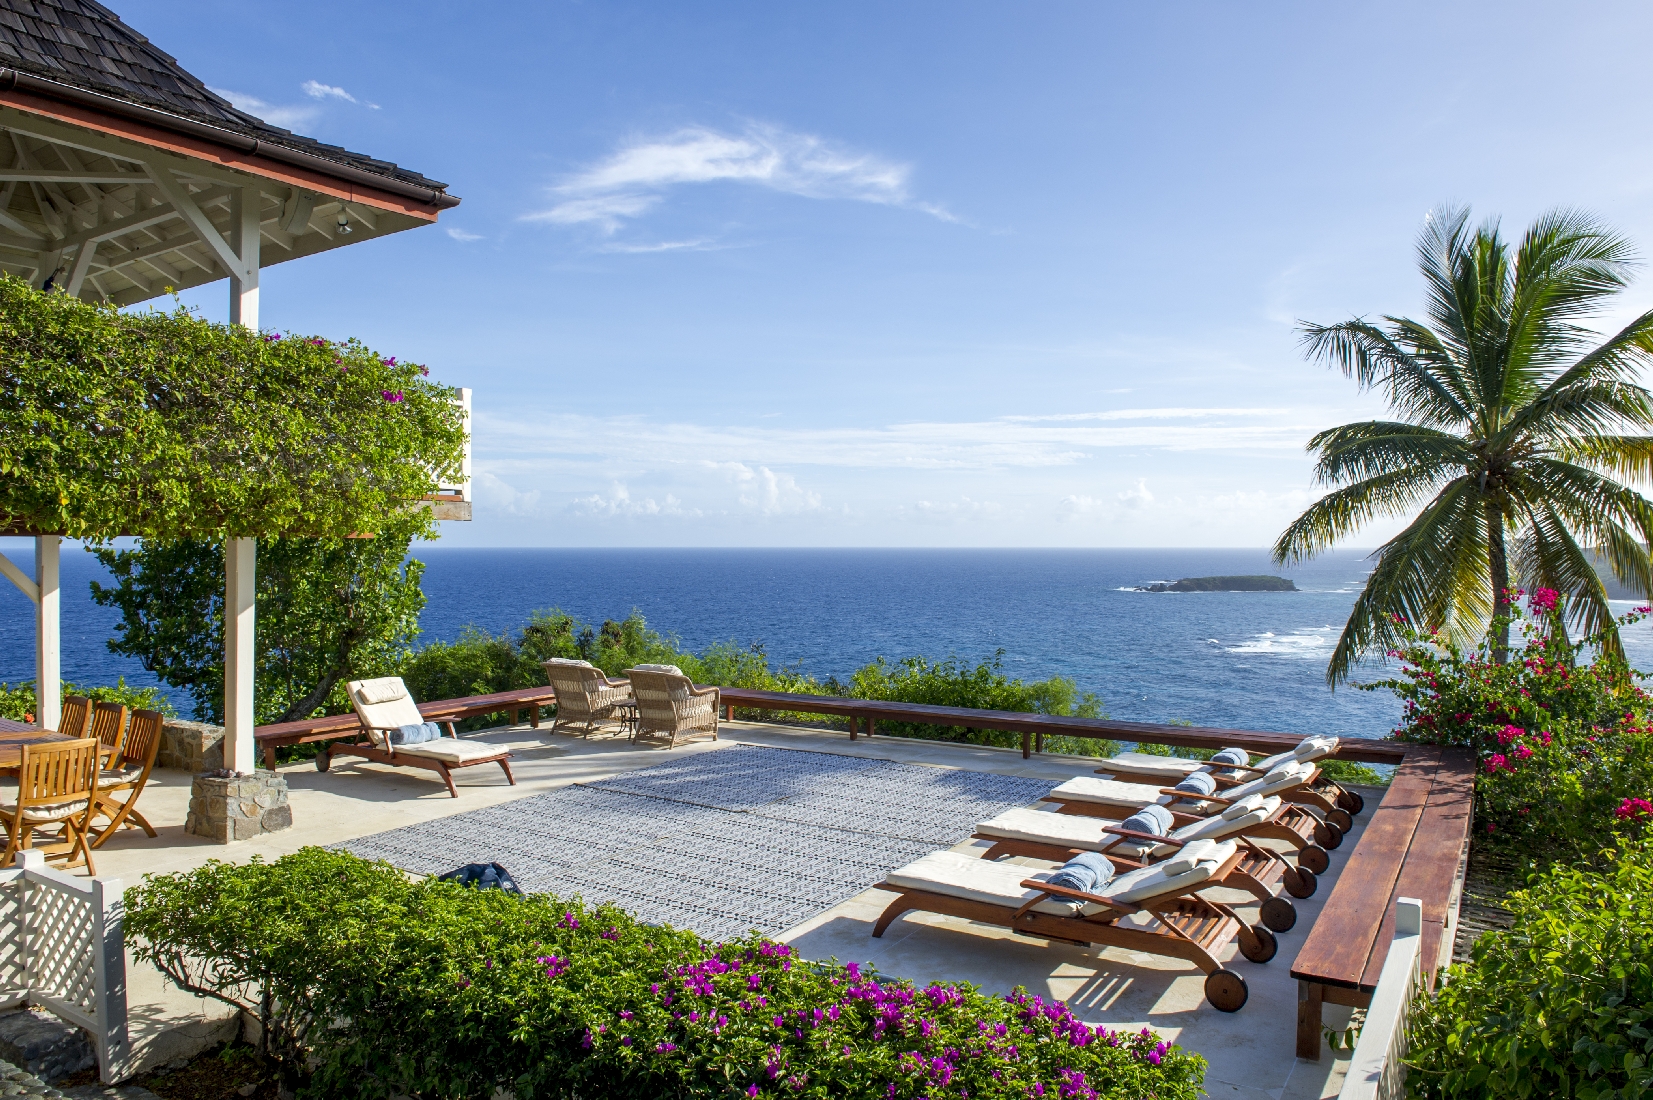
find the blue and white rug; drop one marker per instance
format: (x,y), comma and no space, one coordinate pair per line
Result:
(721,842)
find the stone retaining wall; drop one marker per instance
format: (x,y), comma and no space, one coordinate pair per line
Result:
(192,747)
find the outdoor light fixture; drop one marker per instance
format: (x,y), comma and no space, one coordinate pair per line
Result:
(344,222)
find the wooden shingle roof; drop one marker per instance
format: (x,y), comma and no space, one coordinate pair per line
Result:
(83,44)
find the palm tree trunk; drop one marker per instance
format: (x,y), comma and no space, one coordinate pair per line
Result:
(1499,568)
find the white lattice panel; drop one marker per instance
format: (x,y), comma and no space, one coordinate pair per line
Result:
(14,983)
(62,947)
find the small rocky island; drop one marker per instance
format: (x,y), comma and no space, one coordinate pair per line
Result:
(1223,584)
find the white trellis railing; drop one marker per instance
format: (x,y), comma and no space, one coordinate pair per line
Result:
(61,948)
(1377,1071)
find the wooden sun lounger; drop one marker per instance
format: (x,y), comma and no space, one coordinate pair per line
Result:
(1184,926)
(1301,826)
(380,717)
(1261,872)
(1339,806)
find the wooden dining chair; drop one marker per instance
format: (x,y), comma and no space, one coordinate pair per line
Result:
(109,727)
(77,711)
(129,773)
(56,788)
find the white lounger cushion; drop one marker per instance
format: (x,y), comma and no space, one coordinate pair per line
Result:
(1282,778)
(384,704)
(961,876)
(1086,833)
(1172,768)
(450,750)
(382,690)
(1109,792)
(1312,748)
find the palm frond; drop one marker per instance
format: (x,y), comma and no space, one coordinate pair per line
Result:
(1547,556)
(1625,456)
(1376,447)
(1375,360)
(1339,514)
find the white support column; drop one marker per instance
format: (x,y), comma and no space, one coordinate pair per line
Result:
(245,210)
(48,635)
(240,555)
(239,587)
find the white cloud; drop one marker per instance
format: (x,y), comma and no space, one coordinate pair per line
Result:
(461,235)
(493,493)
(768,492)
(1137,497)
(636,177)
(315,89)
(619,502)
(288,117)
(698,244)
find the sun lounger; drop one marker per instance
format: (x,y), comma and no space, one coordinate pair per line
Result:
(1179,924)
(1040,834)
(1325,794)
(385,709)
(1301,826)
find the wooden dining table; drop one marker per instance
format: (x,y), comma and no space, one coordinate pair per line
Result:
(14,735)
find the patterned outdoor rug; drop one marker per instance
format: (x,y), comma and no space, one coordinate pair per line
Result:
(719,842)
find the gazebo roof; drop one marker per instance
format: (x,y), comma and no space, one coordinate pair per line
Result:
(83,44)
(124,175)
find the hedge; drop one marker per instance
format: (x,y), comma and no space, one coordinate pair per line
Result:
(372,985)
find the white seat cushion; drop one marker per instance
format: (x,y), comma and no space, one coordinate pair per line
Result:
(451,750)
(126,773)
(960,876)
(1109,792)
(39,815)
(1172,768)
(381,690)
(1310,748)
(1192,866)
(1278,780)
(1040,827)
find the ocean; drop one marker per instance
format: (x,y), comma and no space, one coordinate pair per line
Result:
(1237,659)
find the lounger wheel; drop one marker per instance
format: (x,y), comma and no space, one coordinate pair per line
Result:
(1341,819)
(1279,914)
(324,760)
(1327,835)
(1257,943)
(1351,801)
(1314,859)
(1300,882)
(1226,990)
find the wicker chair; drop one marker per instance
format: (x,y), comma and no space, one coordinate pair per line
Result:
(669,705)
(586,698)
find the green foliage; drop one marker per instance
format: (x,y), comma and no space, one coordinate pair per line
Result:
(1559,1005)
(1563,743)
(166,426)
(329,610)
(19,702)
(1512,429)
(984,686)
(386,987)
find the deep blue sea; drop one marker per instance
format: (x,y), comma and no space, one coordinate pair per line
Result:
(1246,660)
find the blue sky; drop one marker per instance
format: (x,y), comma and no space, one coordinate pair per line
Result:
(940,274)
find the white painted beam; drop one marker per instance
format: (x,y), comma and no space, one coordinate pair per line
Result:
(245,234)
(9,570)
(295,213)
(82,266)
(48,634)
(240,586)
(44,175)
(184,203)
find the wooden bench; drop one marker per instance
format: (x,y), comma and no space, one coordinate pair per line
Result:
(1413,846)
(1034,728)
(335,726)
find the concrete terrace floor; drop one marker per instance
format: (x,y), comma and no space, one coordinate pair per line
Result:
(1251,1052)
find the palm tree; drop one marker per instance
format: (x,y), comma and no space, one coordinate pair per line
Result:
(1513,427)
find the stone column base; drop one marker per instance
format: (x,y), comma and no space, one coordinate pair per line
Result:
(225,806)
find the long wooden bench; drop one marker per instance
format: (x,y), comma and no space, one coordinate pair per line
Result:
(1413,847)
(1034,728)
(335,726)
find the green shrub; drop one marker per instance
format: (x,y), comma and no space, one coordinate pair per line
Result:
(1562,740)
(1559,1005)
(384,987)
(18,702)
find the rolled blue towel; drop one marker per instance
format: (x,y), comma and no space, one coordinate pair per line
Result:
(1155,820)
(1198,783)
(1232,756)
(415,733)
(1086,871)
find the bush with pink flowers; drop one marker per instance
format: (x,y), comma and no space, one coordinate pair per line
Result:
(388,987)
(1562,732)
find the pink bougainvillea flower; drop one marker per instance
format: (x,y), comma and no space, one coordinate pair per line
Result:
(394,397)
(1509,734)
(1633,808)
(1498,762)
(391,362)
(1543,601)
(1522,752)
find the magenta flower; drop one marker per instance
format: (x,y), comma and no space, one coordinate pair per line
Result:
(394,398)
(271,337)
(391,362)
(1543,601)
(1632,808)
